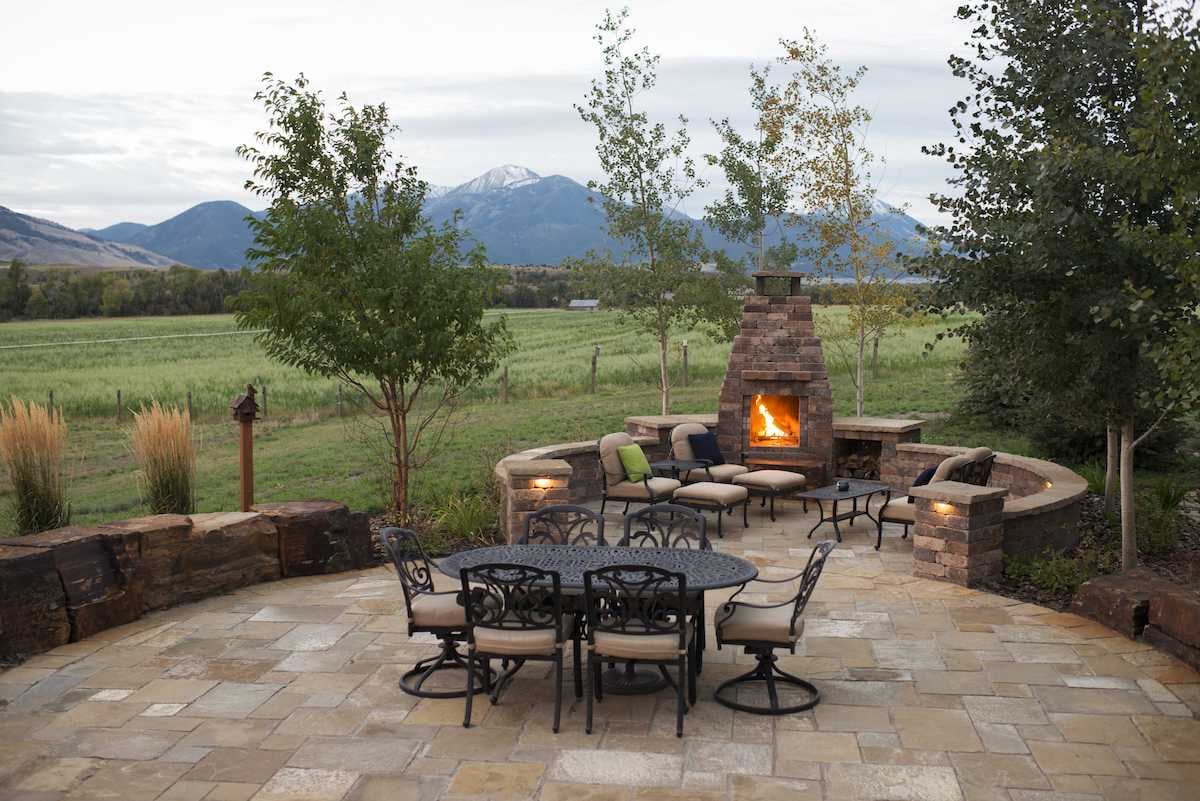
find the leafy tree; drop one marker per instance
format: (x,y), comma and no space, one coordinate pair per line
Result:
(15,290)
(760,181)
(824,144)
(1053,208)
(648,173)
(353,282)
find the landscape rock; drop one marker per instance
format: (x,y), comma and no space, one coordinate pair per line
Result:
(318,537)
(33,605)
(98,573)
(1175,614)
(162,540)
(1120,601)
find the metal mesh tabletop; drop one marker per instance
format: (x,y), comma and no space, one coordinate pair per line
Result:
(705,570)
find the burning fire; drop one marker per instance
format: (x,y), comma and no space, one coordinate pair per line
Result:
(770,429)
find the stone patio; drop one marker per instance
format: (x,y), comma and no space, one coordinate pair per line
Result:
(287,691)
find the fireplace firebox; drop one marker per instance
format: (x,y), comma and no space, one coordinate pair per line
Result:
(774,421)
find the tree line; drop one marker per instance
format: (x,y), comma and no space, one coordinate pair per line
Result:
(31,294)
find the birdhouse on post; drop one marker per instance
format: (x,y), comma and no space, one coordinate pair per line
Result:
(245,410)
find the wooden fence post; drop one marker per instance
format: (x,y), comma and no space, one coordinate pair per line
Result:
(339,401)
(244,410)
(685,364)
(118,405)
(264,403)
(51,400)
(504,384)
(189,404)
(595,357)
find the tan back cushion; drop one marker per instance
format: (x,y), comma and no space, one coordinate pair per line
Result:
(978,454)
(948,466)
(680,445)
(610,460)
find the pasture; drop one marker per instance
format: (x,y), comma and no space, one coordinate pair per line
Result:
(304,450)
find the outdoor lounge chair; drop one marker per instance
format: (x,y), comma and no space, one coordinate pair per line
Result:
(681,449)
(972,467)
(617,486)
(437,613)
(761,628)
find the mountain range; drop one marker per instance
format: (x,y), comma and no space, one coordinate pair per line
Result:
(519,216)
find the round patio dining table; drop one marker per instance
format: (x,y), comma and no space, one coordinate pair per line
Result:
(703,570)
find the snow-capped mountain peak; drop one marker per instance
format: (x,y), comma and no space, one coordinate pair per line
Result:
(505,177)
(883,207)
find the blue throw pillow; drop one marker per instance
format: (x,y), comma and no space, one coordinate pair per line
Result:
(923,478)
(705,449)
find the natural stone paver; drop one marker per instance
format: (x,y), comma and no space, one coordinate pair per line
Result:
(287,690)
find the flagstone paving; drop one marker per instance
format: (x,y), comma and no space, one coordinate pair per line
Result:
(287,692)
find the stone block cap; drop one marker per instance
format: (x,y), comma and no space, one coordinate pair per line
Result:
(882,425)
(538,468)
(957,492)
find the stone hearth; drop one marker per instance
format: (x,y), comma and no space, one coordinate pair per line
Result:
(776,408)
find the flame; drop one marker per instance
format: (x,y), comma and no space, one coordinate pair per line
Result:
(770,428)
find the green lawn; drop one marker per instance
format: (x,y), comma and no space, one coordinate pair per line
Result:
(304,450)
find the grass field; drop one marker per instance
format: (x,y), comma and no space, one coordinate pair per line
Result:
(304,450)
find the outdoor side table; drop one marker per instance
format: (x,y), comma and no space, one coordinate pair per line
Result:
(676,467)
(858,488)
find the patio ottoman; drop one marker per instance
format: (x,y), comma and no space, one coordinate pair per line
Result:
(771,484)
(720,498)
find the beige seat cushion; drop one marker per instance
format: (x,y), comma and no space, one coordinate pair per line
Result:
(610,460)
(712,493)
(513,642)
(639,646)
(899,510)
(774,480)
(681,447)
(441,610)
(751,624)
(721,473)
(660,486)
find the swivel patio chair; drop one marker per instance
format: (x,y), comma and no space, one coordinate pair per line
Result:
(618,486)
(563,524)
(637,613)
(514,613)
(761,628)
(972,467)
(437,613)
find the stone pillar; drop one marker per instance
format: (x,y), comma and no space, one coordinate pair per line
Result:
(526,486)
(959,531)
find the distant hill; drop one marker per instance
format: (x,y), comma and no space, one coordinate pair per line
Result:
(519,216)
(211,234)
(38,241)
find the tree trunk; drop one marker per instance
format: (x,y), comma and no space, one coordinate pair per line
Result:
(859,370)
(400,462)
(663,374)
(1110,468)
(1128,524)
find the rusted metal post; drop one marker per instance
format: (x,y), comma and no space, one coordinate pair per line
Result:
(245,410)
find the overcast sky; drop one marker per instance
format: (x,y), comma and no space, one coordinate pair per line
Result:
(130,110)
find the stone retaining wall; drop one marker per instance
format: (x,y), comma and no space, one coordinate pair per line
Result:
(1043,503)
(67,584)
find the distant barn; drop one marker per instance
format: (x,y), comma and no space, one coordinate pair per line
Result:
(584,304)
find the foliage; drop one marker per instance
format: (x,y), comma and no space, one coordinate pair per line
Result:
(33,442)
(470,518)
(353,282)
(14,291)
(760,181)
(1050,210)
(161,442)
(1054,572)
(648,173)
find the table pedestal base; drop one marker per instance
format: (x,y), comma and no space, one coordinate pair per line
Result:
(628,680)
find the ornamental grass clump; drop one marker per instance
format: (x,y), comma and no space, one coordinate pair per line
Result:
(161,441)
(33,444)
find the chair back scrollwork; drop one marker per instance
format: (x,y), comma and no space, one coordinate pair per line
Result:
(410,561)
(666,525)
(564,524)
(513,598)
(636,600)
(808,579)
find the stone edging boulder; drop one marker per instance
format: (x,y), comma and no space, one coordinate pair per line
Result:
(1142,605)
(70,583)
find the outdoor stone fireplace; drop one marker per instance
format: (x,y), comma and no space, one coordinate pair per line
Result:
(776,408)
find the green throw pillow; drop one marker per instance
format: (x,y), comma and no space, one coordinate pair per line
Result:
(634,462)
